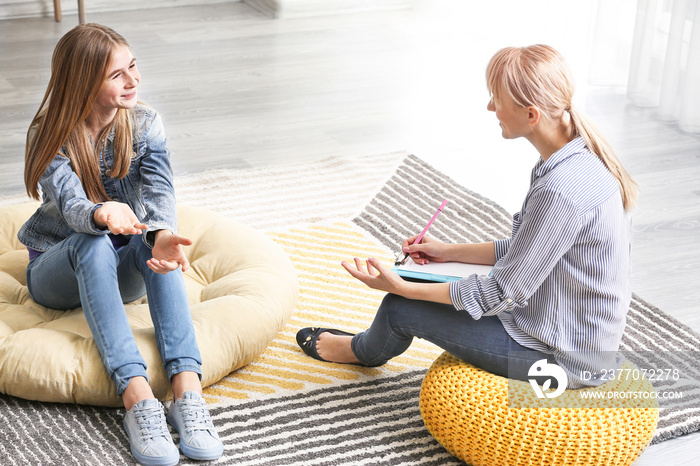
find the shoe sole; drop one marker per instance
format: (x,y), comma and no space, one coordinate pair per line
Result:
(199,454)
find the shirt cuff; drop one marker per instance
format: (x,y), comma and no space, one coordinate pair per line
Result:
(460,295)
(91,221)
(501,247)
(454,296)
(480,296)
(149,237)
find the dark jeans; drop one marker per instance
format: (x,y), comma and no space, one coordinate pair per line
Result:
(483,343)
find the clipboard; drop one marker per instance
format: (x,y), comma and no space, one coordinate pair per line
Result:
(440,272)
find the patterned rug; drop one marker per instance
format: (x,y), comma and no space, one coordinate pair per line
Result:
(286,408)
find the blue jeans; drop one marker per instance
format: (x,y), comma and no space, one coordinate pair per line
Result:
(483,343)
(86,270)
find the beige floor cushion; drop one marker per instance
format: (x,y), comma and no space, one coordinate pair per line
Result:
(242,289)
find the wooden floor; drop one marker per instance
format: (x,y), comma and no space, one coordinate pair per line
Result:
(237,89)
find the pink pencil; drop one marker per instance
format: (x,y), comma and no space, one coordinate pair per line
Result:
(425,230)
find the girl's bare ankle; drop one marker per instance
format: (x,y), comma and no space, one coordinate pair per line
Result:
(137,390)
(187,381)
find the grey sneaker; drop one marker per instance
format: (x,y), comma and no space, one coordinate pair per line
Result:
(149,438)
(198,438)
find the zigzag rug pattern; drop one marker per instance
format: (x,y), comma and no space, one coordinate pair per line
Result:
(286,408)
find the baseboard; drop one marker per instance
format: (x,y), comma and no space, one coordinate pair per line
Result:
(301,8)
(15,9)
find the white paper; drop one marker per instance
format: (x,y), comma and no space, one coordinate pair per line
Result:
(454,269)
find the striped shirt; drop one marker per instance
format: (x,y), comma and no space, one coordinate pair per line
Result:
(560,284)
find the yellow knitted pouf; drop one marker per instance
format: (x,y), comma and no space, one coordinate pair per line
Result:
(467,410)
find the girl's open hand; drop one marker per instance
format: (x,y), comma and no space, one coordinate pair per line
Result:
(118,218)
(167,252)
(376,275)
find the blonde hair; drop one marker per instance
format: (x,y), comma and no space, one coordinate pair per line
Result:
(539,76)
(79,68)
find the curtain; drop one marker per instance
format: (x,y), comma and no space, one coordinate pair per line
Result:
(655,46)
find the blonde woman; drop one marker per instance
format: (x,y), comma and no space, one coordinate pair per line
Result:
(559,288)
(105,234)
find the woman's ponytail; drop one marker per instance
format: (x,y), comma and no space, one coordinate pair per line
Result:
(596,143)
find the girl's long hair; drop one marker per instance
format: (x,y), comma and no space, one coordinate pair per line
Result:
(539,76)
(79,68)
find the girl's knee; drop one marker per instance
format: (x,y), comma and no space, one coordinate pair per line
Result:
(92,243)
(93,248)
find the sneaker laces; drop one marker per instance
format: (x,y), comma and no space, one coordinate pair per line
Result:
(151,422)
(195,415)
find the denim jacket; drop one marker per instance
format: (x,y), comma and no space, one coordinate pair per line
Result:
(147,188)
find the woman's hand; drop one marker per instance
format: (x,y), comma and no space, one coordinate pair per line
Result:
(118,218)
(167,252)
(376,275)
(428,250)
(381,277)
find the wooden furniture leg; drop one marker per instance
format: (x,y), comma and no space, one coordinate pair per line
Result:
(81,11)
(57,10)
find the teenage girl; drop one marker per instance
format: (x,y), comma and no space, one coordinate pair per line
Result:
(106,233)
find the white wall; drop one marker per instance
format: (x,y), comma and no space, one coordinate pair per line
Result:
(462,36)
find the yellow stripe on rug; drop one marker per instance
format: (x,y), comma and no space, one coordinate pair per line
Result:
(328,297)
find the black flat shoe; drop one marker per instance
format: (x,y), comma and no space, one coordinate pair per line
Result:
(307,337)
